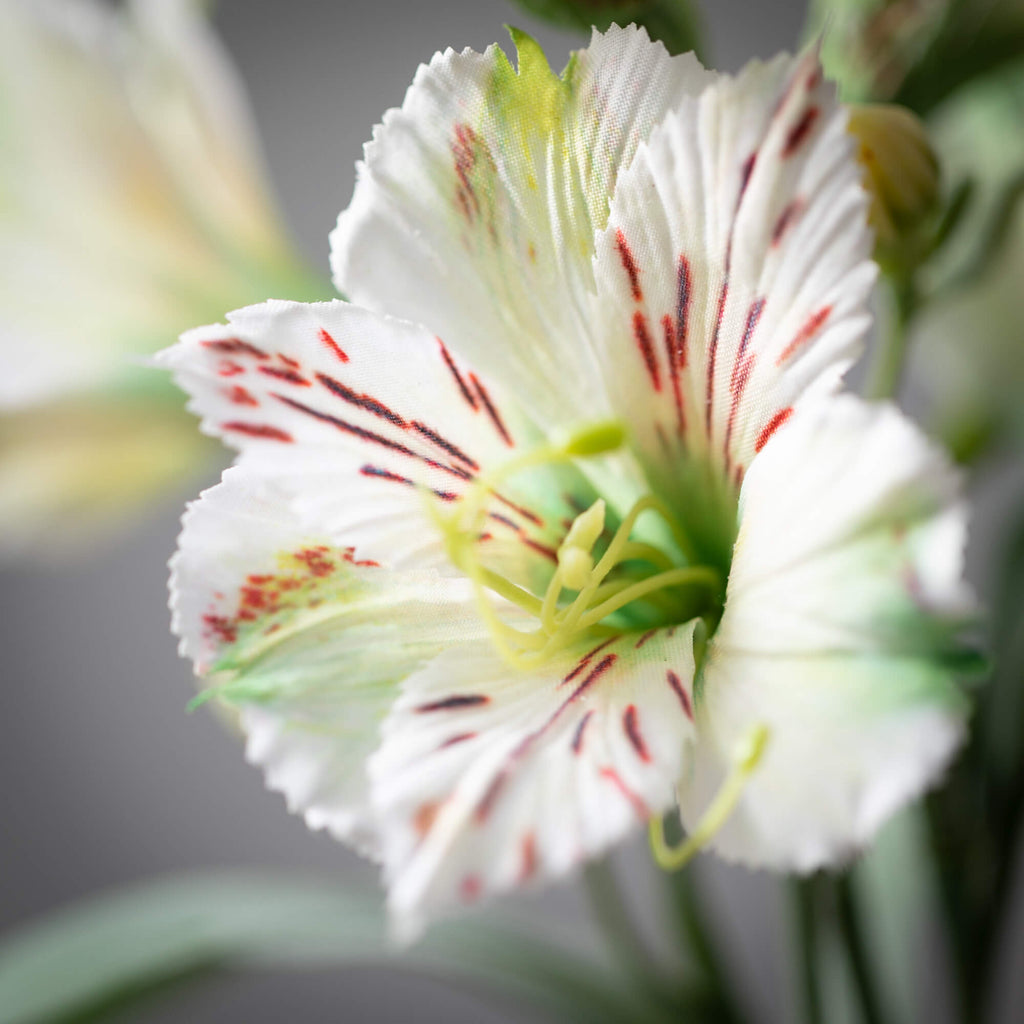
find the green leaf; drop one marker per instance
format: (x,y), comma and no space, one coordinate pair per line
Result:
(675,22)
(118,950)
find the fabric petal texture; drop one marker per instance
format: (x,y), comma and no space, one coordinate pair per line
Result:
(304,641)
(528,540)
(734,274)
(489,778)
(844,614)
(477,203)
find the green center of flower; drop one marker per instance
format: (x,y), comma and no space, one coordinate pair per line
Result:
(598,588)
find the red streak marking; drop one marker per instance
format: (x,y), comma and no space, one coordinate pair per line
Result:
(785,219)
(261,430)
(737,477)
(240,396)
(630,722)
(453,741)
(799,132)
(499,518)
(396,478)
(351,428)
(773,424)
(519,753)
(227,368)
(684,287)
(529,857)
(332,345)
(745,172)
(221,627)
(524,512)
(541,549)
(629,265)
(491,411)
(361,401)
(235,347)
(805,334)
(456,702)
(288,361)
(450,363)
(639,807)
(677,685)
(587,658)
(470,888)
(647,636)
(577,738)
(712,352)
(643,340)
(466,149)
(286,374)
(444,444)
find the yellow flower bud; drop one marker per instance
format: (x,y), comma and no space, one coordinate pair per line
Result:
(901,171)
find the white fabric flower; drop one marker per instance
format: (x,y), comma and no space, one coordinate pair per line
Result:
(465,626)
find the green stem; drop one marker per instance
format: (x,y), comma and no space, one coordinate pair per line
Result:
(697,936)
(805,905)
(612,917)
(852,934)
(887,367)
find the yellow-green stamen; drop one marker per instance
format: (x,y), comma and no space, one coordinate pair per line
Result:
(616,582)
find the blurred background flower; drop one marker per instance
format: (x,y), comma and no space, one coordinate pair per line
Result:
(132,205)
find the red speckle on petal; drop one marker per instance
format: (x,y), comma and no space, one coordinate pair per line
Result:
(529,857)
(331,344)
(263,431)
(240,396)
(229,368)
(470,888)
(639,807)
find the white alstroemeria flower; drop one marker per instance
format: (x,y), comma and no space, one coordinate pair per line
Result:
(558,525)
(132,204)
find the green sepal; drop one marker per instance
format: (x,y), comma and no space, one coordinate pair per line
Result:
(674,22)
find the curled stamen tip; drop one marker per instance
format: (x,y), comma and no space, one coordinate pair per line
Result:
(576,566)
(586,528)
(595,438)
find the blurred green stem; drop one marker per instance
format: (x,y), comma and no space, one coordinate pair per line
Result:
(695,933)
(886,371)
(611,915)
(852,935)
(805,908)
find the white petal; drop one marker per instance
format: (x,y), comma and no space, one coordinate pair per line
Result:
(489,777)
(133,201)
(734,273)
(306,642)
(844,615)
(368,421)
(476,207)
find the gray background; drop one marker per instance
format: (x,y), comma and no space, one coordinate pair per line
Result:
(106,779)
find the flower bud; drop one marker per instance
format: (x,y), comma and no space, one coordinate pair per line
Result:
(901,171)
